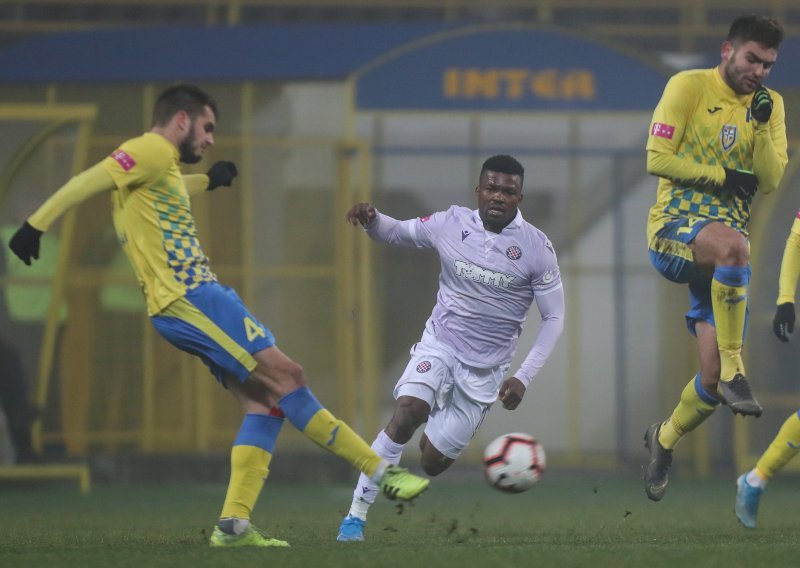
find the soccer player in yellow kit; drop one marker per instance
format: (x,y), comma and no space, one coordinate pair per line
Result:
(717,135)
(188,307)
(786,444)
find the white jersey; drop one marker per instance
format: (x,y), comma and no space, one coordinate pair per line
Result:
(487,283)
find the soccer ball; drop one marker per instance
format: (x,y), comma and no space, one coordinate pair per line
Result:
(513,462)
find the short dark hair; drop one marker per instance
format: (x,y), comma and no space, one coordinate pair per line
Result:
(504,164)
(182,97)
(760,29)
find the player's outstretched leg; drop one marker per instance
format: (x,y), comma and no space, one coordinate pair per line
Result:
(656,474)
(750,486)
(307,415)
(694,407)
(250,458)
(354,523)
(747,498)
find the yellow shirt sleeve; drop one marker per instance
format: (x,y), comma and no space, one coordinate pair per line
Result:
(195,183)
(790,265)
(77,190)
(137,163)
(667,128)
(770,154)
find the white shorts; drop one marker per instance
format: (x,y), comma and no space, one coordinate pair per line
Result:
(441,380)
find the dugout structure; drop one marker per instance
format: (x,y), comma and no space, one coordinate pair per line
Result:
(42,146)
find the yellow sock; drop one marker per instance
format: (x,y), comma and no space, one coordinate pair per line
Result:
(783,448)
(249,470)
(694,407)
(306,413)
(729,302)
(335,436)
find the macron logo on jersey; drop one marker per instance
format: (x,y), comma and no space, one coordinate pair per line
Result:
(478,274)
(123,159)
(662,130)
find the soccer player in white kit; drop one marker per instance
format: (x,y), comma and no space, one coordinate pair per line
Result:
(494,265)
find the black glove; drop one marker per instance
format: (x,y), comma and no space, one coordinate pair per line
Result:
(761,105)
(783,324)
(25,243)
(221,173)
(741,183)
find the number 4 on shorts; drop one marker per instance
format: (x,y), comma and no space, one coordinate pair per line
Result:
(253,329)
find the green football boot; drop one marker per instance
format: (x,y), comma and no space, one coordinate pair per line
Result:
(398,483)
(250,537)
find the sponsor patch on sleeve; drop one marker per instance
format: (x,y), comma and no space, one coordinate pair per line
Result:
(123,159)
(662,130)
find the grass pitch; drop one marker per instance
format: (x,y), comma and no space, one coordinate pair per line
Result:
(566,520)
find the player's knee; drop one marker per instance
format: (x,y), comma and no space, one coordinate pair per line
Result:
(734,252)
(409,414)
(294,375)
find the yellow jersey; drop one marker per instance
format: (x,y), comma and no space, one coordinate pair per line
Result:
(699,127)
(153,220)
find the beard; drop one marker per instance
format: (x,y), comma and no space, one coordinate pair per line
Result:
(186,150)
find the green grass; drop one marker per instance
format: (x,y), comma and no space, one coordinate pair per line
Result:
(566,520)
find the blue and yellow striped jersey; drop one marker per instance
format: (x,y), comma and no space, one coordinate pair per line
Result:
(153,220)
(699,127)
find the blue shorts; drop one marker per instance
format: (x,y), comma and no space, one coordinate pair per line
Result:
(212,322)
(670,252)
(671,256)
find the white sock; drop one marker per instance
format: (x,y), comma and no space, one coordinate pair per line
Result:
(233,525)
(755,480)
(367,489)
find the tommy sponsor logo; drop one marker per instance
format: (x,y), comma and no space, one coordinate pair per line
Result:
(662,130)
(479,274)
(123,159)
(424,367)
(728,136)
(514,252)
(464,235)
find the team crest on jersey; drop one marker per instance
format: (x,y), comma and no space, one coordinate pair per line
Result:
(424,367)
(514,252)
(729,135)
